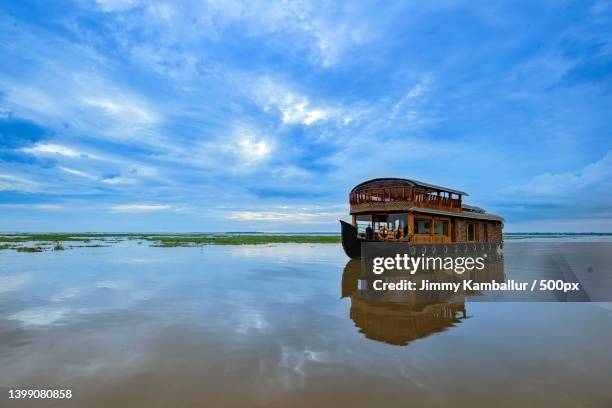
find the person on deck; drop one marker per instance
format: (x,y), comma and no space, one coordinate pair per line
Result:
(369,233)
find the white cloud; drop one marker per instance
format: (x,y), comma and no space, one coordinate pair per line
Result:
(144,171)
(34,206)
(270,216)
(254,150)
(406,107)
(65,94)
(300,113)
(299,215)
(415,91)
(333,39)
(127,111)
(591,224)
(118,181)
(294,108)
(237,152)
(77,173)
(11,182)
(51,149)
(306,23)
(27,98)
(48,206)
(140,207)
(590,177)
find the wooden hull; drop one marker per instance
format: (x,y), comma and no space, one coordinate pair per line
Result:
(351,243)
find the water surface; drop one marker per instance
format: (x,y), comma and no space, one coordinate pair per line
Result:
(281,325)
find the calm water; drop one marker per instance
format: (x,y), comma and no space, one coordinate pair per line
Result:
(276,326)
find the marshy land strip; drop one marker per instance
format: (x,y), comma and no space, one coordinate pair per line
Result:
(38,242)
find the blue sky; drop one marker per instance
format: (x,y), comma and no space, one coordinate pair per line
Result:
(127,115)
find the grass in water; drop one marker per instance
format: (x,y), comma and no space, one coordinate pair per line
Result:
(29,249)
(156,240)
(175,241)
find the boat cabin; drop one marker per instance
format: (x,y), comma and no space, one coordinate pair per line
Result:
(397,209)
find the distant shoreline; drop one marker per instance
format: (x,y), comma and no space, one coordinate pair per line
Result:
(40,242)
(256,233)
(526,235)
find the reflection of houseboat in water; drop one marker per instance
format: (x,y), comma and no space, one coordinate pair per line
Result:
(402,324)
(403,210)
(401,317)
(397,322)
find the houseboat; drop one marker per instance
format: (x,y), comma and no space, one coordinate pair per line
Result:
(432,219)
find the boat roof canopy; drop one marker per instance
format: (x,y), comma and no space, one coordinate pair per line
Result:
(391,182)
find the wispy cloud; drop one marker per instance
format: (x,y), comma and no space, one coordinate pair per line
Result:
(34,206)
(75,172)
(272,216)
(11,182)
(292,107)
(121,110)
(118,180)
(52,149)
(592,177)
(253,149)
(139,208)
(291,214)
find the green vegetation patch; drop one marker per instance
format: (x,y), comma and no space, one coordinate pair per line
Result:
(195,240)
(63,236)
(58,241)
(29,249)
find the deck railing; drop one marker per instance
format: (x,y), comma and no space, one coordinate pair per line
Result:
(417,198)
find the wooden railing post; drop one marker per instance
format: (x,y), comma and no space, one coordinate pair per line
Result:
(423,199)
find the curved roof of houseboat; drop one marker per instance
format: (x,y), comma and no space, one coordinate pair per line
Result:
(392,182)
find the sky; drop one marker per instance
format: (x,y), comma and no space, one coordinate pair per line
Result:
(261,115)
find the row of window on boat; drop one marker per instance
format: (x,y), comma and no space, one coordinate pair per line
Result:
(395,227)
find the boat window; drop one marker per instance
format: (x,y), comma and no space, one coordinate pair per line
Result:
(396,221)
(422,225)
(379,220)
(363,221)
(441,227)
(472,232)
